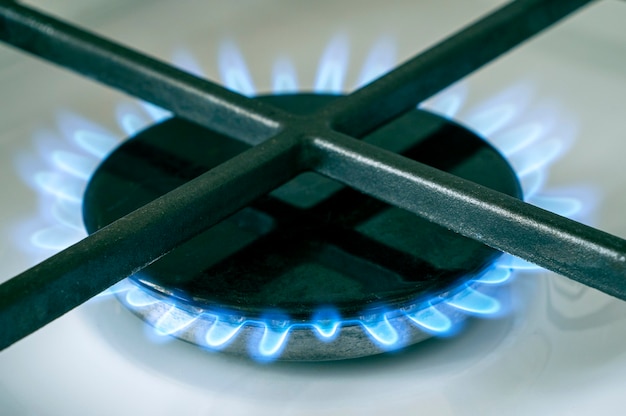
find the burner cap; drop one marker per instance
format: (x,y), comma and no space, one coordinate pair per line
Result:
(312,246)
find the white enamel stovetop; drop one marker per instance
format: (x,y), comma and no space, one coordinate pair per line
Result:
(561,351)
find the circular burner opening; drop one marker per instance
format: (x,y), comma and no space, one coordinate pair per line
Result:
(312,245)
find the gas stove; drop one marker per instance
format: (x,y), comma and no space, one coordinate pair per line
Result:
(558,349)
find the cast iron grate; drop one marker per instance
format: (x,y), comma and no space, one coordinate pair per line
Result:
(285,145)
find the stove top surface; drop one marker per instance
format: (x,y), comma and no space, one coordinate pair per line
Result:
(559,351)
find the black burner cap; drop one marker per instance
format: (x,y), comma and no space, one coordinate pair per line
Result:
(312,242)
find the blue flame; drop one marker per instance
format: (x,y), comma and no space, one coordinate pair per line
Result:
(186,61)
(447,103)
(381,59)
(430,319)
(131,118)
(326,321)
(221,332)
(499,111)
(174,320)
(493,119)
(67,214)
(118,288)
(156,113)
(381,331)
(77,165)
(519,138)
(90,137)
(54,238)
(567,207)
(532,183)
(274,337)
(472,301)
(516,263)
(540,156)
(285,78)
(234,70)
(528,140)
(138,298)
(333,66)
(60,186)
(97,144)
(495,276)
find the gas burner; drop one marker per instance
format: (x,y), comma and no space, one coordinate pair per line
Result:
(310,263)
(230,187)
(305,231)
(549,337)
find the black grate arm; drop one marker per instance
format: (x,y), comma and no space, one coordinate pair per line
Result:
(584,254)
(187,96)
(445,63)
(43,293)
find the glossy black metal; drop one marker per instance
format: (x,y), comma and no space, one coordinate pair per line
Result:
(57,285)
